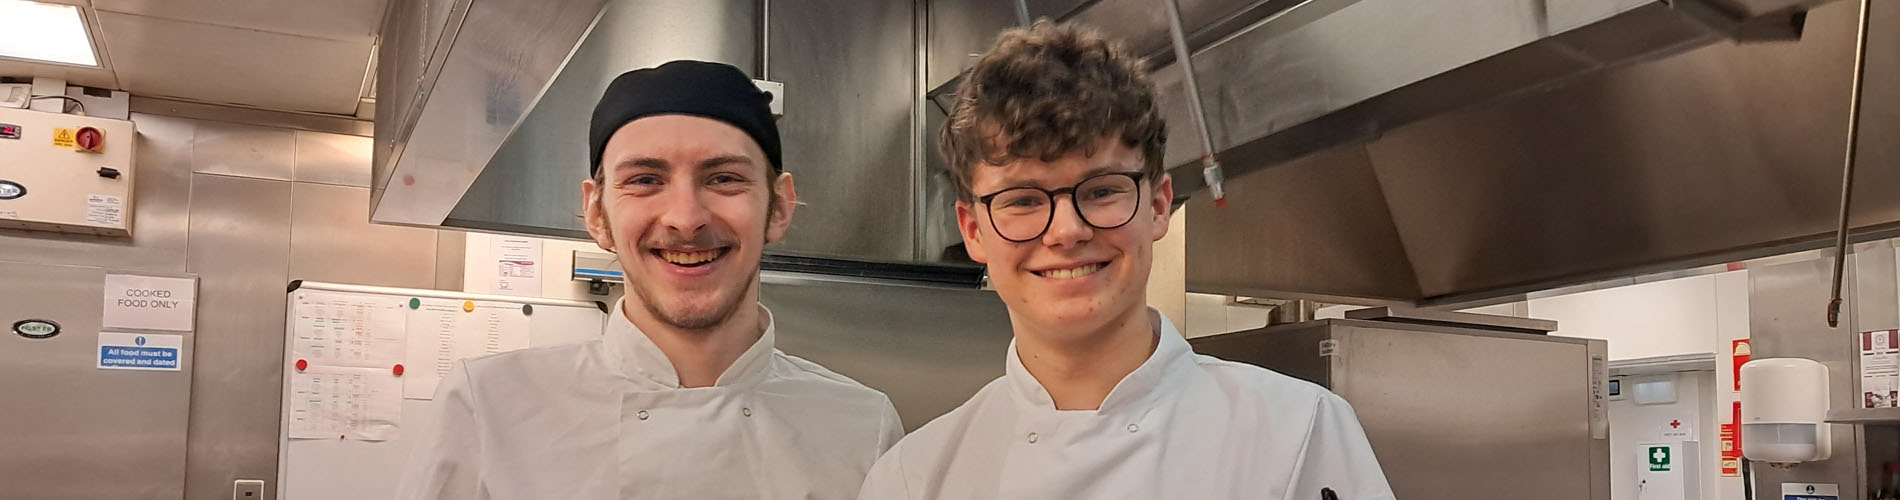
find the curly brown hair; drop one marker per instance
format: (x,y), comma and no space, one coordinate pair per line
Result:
(1047,91)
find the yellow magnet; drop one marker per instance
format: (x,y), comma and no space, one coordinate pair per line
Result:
(468,306)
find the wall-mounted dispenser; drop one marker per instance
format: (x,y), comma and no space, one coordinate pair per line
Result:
(1784,411)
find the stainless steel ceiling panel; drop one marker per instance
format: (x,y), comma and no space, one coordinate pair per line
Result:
(234,65)
(345,20)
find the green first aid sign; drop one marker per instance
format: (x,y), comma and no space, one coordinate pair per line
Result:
(1659,459)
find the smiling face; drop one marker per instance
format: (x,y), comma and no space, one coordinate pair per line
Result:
(688,205)
(1075,280)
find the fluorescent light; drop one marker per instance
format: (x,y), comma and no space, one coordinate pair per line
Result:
(45,32)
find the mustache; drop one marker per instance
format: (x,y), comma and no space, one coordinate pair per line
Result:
(702,240)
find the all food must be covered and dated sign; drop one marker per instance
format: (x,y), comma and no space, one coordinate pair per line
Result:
(140,351)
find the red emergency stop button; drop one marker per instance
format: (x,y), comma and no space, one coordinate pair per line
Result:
(90,140)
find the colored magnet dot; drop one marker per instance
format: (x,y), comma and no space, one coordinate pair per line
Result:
(468,306)
(302,365)
(415,303)
(397,370)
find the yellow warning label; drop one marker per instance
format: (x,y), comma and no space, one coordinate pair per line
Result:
(64,138)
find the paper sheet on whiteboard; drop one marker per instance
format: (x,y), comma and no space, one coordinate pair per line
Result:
(347,330)
(328,402)
(444,331)
(343,349)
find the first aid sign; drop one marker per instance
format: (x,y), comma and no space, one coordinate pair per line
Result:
(140,351)
(150,302)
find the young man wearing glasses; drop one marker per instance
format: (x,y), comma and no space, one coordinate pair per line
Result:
(1056,145)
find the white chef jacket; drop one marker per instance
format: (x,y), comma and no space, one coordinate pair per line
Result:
(1181,426)
(607,419)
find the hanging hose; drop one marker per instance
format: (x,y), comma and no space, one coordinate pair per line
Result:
(1748,481)
(1847,167)
(1210,168)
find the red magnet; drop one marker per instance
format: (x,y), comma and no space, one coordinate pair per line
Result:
(302,365)
(397,370)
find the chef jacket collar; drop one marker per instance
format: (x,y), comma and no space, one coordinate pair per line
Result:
(1136,391)
(641,361)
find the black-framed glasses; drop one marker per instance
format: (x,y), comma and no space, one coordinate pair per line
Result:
(1105,201)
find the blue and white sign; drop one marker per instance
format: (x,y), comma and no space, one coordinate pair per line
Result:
(140,351)
(1810,491)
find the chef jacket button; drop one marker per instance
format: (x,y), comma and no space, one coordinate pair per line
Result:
(1032,438)
(642,415)
(745,411)
(1133,428)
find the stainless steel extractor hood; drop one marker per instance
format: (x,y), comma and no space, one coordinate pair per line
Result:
(1332,72)
(1431,152)
(457,76)
(495,139)
(1699,155)
(531,184)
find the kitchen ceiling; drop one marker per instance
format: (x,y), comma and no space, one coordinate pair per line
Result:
(285,55)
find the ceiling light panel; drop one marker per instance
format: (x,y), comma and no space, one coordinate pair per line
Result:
(45,32)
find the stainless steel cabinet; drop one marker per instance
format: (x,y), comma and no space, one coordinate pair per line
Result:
(72,430)
(1455,412)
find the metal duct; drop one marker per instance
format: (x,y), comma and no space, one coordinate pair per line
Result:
(477,66)
(1336,72)
(488,148)
(532,183)
(1722,153)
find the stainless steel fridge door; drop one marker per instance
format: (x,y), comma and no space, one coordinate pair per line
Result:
(1454,412)
(72,430)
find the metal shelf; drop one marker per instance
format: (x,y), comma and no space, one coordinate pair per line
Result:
(1888,416)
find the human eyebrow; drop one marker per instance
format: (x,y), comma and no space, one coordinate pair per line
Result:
(641,163)
(1015,182)
(1106,168)
(723,160)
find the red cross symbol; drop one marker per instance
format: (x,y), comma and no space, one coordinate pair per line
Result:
(1675,424)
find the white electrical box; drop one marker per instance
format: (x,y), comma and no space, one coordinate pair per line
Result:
(1669,471)
(66,173)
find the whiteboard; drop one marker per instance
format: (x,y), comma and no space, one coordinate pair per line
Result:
(326,469)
